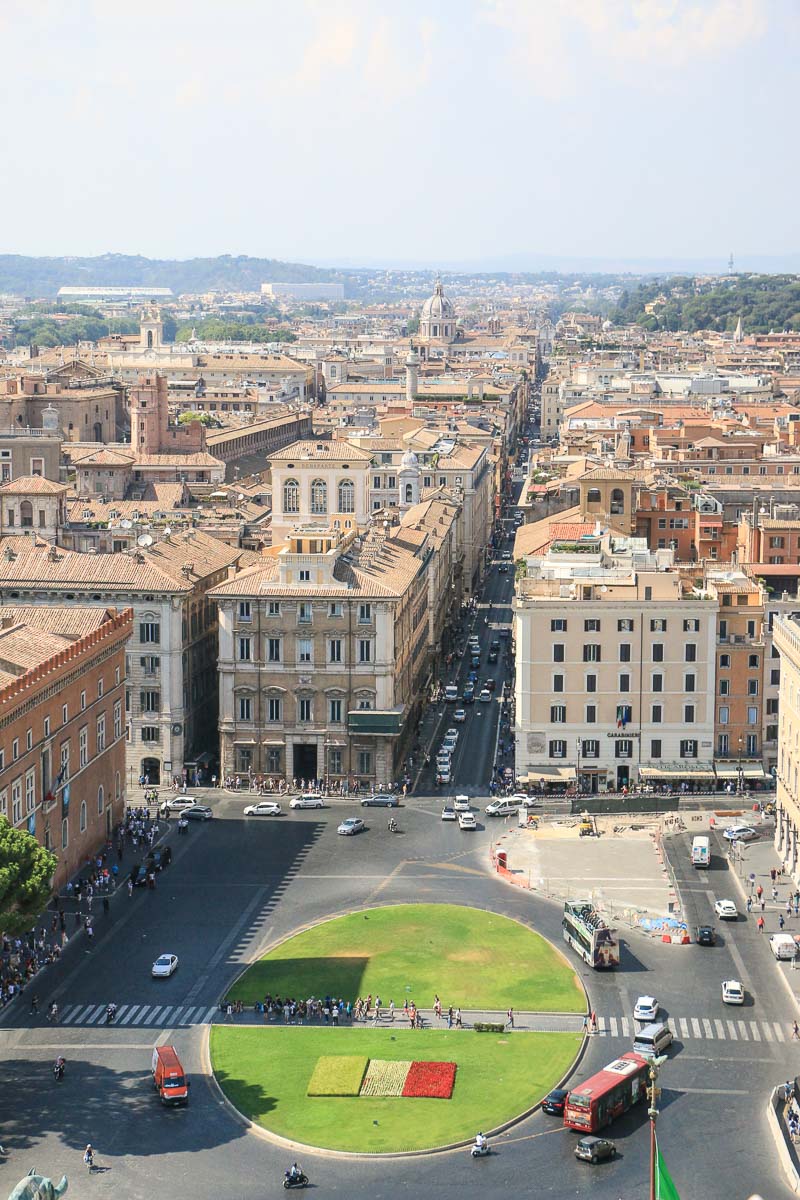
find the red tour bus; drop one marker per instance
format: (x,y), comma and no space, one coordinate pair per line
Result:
(608,1094)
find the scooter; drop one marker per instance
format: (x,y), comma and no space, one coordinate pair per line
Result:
(393,827)
(481,1151)
(293,1181)
(58,1069)
(111,1013)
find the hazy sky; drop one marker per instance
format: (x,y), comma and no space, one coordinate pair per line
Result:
(352,130)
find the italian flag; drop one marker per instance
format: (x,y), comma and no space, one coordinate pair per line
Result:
(665,1188)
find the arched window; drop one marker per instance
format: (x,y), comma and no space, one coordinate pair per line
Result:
(409,493)
(593,496)
(347,496)
(291,496)
(617,501)
(64,834)
(101,799)
(82,825)
(319,497)
(26,514)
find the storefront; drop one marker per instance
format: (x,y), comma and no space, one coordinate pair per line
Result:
(684,776)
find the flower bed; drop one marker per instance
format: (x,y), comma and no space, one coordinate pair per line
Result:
(338,1075)
(434,1080)
(385,1078)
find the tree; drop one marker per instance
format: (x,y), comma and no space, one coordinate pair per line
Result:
(26,871)
(203,417)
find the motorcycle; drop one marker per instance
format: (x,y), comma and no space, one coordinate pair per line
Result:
(393,827)
(58,1069)
(479,1151)
(292,1181)
(111,1013)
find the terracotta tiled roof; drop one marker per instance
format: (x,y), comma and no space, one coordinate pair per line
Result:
(33,485)
(70,622)
(305,451)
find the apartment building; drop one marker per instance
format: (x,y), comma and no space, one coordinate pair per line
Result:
(787,823)
(614,667)
(324,654)
(62,726)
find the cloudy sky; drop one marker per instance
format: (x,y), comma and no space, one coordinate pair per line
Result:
(371,130)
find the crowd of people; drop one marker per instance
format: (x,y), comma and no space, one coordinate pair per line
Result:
(330,1010)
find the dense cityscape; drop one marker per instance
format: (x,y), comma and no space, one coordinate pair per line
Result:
(399,719)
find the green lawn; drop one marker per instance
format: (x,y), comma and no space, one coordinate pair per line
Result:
(265,1073)
(473,959)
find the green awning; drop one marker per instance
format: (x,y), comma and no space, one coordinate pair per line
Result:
(386,722)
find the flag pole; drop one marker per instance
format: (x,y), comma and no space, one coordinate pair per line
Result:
(653,1092)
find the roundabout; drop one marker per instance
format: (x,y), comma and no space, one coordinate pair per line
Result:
(379,1085)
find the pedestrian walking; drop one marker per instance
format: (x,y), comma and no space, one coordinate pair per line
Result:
(781,922)
(773,873)
(510,1016)
(759,891)
(795,1032)
(760,924)
(130,887)
(450,1017)
(774,893)
(459,1024)
(391,1010)
(106,905)
(749,903)
(34,1005)
(763,904)
(594,1021)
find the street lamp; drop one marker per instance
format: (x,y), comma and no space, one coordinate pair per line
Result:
(739,774)
(578,748)
(653,1092)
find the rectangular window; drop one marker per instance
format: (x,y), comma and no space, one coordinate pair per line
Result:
(335,650)
(656,714)
(658,652)
(364,614)
(558,748)
(16,801)
(245,708)
(274,709)
(775,676)
(335,609)
(691,625)
(591,714)
(591,683)
(245,613)
(304,576)
(244,759)
(101,733)
(752,715)
(558,625)
(751,744)
(772,711)
(150,664)
(558,683)
(655,748)
(723,743)
(690,652)
(625,683)
(658,683)
(772,733)
(64,772)
(46,733)
(688,714)
(150,632)
(624,652)
(150,702)
(752,687)
(558,714)
(335,762)
(28,739)
(625,625)
(274,608)
(591,652)
(273,650)
(558,652)
(752,662)
(117,719)
(335,712)
(304,650)
(304,708)
(724,714)
(688,748)
(83,746)
(364,650)
(658,625)
(724,687)
(304,612)
(623,748)
(30,790)
(64,714)
(150,733)
(274,765)
(245,649)
(723,629)
(689,682)
(725,662)
(365,762)
(591,625)
(591,748)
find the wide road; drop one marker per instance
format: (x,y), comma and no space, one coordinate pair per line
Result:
(238,883)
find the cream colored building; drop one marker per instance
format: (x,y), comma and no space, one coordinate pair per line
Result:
(319,483)
(614,667)
(786,639)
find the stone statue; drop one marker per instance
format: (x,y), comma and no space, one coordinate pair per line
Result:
(38,1187)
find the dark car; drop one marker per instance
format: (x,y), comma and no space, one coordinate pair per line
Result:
(198,812)
(158,859)
(138,875)
(503,568)
(475,662)
(595,1149)
(495,645)
(705,935)
(468,695)
(490,684)
(554,1102)
(493,656)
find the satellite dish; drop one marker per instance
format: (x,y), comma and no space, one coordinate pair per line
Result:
(145,540)
(167,530)
(126,524)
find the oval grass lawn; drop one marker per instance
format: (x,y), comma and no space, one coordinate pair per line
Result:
(265,1072)
(470,958)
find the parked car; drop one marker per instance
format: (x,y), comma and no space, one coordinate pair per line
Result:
(740,833)
(197,812)
(449,813)
(380,800)
(645,1008)
(705,935)
(732,992)
(350,826)
(726,910)
(308,800)
(595,1149)
(466,820)
(554,1102)
(164,966)
(522,800)
(264,808)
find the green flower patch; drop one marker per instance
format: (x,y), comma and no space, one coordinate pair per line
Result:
(338,1075)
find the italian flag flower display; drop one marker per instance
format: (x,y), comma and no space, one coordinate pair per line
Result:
(351,1075)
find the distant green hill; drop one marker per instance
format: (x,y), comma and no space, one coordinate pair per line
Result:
(40,277)
(763,302)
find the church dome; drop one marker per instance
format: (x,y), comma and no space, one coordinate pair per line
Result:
(409,461)
(437,307)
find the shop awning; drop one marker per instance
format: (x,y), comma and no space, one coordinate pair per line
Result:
(726,770)
(679,770)
(729,769)
(550,774)
(387,722)
(753,770)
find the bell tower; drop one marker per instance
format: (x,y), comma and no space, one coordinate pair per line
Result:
(151,329)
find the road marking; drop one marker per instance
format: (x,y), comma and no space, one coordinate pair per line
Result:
(683,1026)
(121,1013)
(755,1031)
(155,1019)
(696,1027)
(707,1028)
(209,1015)
(612,1025)
(623,1027)
(145,1010)
(732,1030)
(134,1010)
(687,1091)
(189,1015)
(778,1031)
(768,1034)
(743,1031)
(81,1013)
(167,1014)
(719,1028)
(96,1014)
(69,1013)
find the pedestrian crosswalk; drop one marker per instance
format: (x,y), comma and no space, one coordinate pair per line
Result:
(161,1015)
(710,1029)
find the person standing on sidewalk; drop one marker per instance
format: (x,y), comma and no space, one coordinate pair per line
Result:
(510,1016)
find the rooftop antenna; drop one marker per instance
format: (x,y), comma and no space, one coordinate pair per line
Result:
(144,541)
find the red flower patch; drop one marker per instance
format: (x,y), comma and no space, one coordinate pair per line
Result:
(434,1080)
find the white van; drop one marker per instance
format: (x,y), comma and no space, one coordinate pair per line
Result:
(701,852)
(783,945)
(653,1040)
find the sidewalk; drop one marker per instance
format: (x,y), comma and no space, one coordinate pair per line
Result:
(524,1022)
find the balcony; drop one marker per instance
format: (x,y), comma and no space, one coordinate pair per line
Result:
(376,721)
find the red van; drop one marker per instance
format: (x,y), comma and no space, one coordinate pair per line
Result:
(169,1078)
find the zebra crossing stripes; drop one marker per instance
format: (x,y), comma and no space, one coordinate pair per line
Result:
(143,1015)
(703,1028)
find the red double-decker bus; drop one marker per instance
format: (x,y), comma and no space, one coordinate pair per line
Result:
(608,1094)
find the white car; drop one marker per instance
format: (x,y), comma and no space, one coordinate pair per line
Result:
(176,804)
(350,826)
(523,801)
(740,833)
(449,813)
(309,800)
(460,715)
(448,746)
(443,759)
(443,775)
(726,910)
(451,735)
(645,1008)
(466,820)
(165,965)
(451,693)
(264,808)
(732,992)
(485,696)
(462,803)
